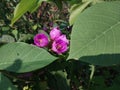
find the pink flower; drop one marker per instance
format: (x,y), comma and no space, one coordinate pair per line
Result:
(63,38)
(55,33)
(60,45)
(41,40)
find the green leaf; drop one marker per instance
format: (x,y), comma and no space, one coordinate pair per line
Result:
(95,35)
(5,28)
(15,33)
(58,81)
(6,39)
(21,57)
(99,84)
(6,84)
(76,10)
(58,3)
(24,6)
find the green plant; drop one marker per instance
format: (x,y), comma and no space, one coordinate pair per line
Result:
(91,62)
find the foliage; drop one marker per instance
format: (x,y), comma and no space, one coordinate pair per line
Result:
(98,37)
(26,6)
(22,55)
(89,62)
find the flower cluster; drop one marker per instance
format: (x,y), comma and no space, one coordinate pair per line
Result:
(59,41)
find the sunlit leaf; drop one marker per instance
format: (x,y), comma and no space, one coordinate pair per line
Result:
(21,57)
(24,6)
(95,35)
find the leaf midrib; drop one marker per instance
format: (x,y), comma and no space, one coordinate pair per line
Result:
(98,36)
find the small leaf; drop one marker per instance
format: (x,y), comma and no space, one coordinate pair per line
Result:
(21,57)
(58,3)
(58,81)
(24,37)
(6,39)
(15,33)
(34,27)
(5,28)
(76,11)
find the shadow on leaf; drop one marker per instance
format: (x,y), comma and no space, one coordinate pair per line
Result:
(102,60)
(5,76)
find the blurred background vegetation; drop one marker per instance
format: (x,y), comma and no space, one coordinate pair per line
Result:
(44,18)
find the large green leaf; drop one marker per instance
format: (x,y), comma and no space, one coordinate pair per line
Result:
(21,57)
(96,35)
(24,6)
(5,83)
(76,9)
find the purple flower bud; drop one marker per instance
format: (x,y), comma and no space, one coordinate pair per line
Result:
(55,33)
(41,40)
(45,28)
(60,45)
(51,24)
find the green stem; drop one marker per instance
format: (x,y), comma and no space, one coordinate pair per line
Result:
(91,74)
(60,21)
